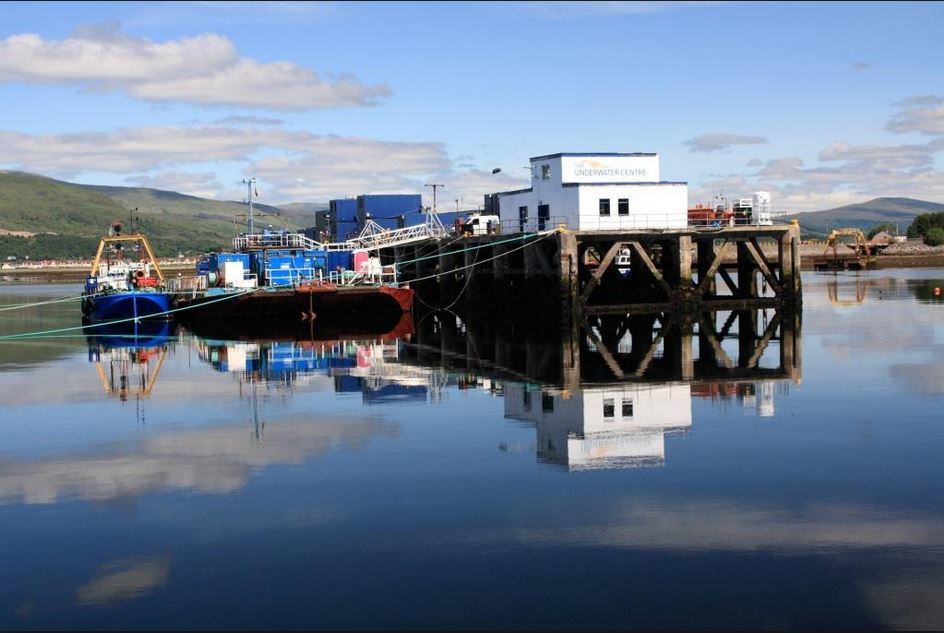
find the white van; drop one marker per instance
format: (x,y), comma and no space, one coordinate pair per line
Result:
(481,224)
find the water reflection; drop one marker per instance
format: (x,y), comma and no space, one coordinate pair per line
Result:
(620,426)
(369,367)
(822,497)
(129,362)
(122,580)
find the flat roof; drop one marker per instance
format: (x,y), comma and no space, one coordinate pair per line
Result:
(595,184)
(621,184)
(509,193)
(588,154)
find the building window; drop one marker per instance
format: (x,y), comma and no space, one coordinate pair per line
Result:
(527,399)
(547,402)
(609,408)
(623,206)
(628,408)
(545,172)
(604,206)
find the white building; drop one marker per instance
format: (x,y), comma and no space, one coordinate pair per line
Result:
(620,426)
(595,192)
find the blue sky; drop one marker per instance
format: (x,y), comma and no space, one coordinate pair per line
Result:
(821,103)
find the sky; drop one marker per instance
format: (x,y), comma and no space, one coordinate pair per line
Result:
(822,104)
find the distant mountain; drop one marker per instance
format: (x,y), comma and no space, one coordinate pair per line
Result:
(864,215)
(303,213)
(68,217)
(157,201)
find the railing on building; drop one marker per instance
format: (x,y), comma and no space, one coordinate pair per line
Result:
(254,241)
(293,276)
(382,276)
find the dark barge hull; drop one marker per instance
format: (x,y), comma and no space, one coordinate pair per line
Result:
(366,309)
(282,330)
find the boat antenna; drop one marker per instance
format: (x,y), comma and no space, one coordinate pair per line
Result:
(249,183)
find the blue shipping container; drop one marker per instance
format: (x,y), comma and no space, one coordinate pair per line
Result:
(340,259)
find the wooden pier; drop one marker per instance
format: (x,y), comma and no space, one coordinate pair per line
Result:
(591,273)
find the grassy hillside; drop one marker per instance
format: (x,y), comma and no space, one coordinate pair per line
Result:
(68,217)
(37,204)
(303,213)
(900,211)
(170,203)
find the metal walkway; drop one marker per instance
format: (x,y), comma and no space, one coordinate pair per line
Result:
(372,237)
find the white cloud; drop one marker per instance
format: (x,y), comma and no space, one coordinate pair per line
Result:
(719,141)
(332,166)
(248,120)
(290,165)
(846,174)
(204,69)
(140,149)
(919,114)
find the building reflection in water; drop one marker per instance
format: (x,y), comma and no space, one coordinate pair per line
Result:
(605,396)
(608,395)
(618,426)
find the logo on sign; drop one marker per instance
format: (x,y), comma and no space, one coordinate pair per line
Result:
(595,169)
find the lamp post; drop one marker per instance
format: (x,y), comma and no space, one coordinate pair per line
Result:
(435,187)
(249,182)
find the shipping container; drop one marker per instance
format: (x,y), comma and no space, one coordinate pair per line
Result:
(340,259)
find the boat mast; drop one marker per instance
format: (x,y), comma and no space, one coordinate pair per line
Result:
(249,183)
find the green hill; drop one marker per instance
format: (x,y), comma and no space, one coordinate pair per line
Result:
(864,215)
(68,218)
(302,213)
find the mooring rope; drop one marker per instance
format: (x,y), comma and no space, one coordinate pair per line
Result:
(517,238)
(24,335)
(21,306)
(540,237)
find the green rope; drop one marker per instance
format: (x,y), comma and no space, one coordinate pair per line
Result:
(24,335)
(517,238)
(490,259)
(39,303)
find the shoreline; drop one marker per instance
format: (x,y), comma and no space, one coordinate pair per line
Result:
(77,274)
(71,273)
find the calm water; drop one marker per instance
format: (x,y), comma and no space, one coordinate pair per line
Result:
(199,483)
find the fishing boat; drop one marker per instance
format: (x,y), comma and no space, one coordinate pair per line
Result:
(125,283)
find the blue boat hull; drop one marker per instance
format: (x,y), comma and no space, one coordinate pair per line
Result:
(126,305)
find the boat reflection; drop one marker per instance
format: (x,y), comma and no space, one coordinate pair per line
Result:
(370,365)
(129,360)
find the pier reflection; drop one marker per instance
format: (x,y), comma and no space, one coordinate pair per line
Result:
(605,395)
